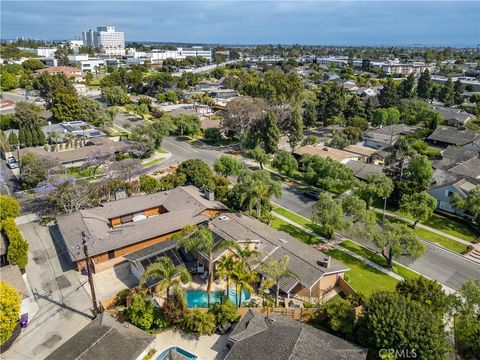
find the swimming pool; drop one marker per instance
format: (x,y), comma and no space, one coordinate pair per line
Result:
(177,350)
(198,298)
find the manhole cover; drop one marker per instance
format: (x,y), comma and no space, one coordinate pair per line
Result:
(63,282)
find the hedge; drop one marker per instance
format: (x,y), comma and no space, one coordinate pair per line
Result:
(17,253)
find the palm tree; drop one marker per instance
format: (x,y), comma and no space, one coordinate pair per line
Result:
(167,274)
(225,268)
(202,241)
(257,190)
(244,278)
(277,270)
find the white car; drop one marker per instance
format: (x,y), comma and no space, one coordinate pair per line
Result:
(12,163)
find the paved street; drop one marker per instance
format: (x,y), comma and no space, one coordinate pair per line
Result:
(448,268)
(64,305)
(8,181)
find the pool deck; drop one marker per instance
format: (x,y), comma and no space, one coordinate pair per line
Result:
(211,347)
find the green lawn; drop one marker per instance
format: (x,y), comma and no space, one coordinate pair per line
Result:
(300,220)
(362,277)
(378,259)
(281,225)
(452,245)
(459,228)
(152,162)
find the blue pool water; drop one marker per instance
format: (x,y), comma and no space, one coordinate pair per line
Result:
(198,298)
(178,350)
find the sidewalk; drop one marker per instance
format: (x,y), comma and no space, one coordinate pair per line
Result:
(438,232)
(356,256)
(447,289)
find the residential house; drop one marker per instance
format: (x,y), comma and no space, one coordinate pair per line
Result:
(326,152)
(12,275)
(276,337)
(452,156)
(361,170)
(95,147)
(120,227)
(453,117)
(444,136)
(367,154)
(444,192)
(317,273)
(105,338)
(68,71)
(386,136)
(77,128)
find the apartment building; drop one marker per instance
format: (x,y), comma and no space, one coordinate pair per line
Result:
(107,39)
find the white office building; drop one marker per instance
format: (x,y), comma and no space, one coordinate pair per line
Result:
(41,51)
(75,45)
(105,38)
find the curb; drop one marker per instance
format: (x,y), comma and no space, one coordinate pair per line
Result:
(451,252)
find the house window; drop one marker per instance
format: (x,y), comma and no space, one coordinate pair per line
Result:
(126,218)
(111,254)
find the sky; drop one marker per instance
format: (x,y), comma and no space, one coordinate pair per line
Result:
(452,23)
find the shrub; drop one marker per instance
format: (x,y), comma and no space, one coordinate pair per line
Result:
(199,322)
(10,310)
(148,184)
(225,313)
(17,253)
(140,313)
(174,308)
(213,134)
(9,206)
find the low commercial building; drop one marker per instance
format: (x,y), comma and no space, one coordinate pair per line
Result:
(105,338)
(127,225)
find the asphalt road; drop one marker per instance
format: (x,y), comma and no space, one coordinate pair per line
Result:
(444,266)
(8,181)
(64,305)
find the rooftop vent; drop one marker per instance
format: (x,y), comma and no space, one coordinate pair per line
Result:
(283,241)
(224,217)
(327,262)
(209,195)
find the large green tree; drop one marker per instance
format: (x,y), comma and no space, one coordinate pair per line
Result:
(285,162)
(197,173)
(425,85)
(391,321)
(328,213)
(470,204)
(418,205)
(270,133)
(295,129)
(397,239)
(227,165)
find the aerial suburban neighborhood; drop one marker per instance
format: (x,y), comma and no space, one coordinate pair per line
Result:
(182,189)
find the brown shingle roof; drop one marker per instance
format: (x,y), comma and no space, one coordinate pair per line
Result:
(12,275)
(97,147)
(326,152)
(183,205)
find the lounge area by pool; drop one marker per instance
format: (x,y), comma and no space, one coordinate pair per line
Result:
(198,298)
(176,353)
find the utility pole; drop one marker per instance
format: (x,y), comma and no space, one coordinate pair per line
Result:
(96,311)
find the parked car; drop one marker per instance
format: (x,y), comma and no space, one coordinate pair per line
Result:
(12,163)
(311,195)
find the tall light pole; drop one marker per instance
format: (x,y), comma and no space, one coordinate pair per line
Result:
(96,310)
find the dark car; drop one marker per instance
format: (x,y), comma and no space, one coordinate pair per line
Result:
(12,163)
(311,195)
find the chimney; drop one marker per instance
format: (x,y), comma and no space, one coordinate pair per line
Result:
(209,195)
(327,261)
